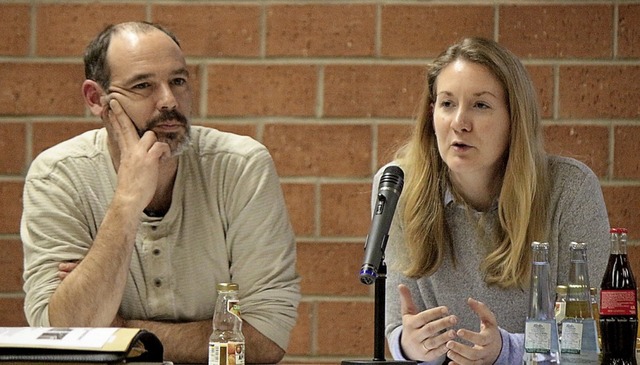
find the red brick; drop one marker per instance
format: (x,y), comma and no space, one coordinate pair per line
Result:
(12,143)
(321,30)
(246,90)
(15,30)
(241,129)
(331,268)
(320,150)
(599,91)
(301,203)
(629,31)
(300,343)
(390,138)
(626,164)
(11,203)
(345,210)
(622,206)
(557,31)
(340,324)
(12,312)
(426,30)
(213,30)
(372,91)
(586,143)
(46,135)
(67,29)
(542,78)
(633,252)
(11,266)
(41,89)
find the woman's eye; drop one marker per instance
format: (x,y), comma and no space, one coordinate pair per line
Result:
(446,103)
(481,105)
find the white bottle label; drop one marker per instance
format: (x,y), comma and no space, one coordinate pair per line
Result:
(571,337)
(537,337)
(230,353)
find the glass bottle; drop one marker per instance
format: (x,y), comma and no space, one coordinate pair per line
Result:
(560,308)
(579,343)
(226,344)
(593,293)
(541,331)
(618,305)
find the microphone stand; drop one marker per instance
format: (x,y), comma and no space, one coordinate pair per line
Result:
(378,330)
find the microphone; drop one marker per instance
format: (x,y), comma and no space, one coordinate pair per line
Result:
(389,191)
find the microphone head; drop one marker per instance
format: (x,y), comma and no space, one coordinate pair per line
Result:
(393,176)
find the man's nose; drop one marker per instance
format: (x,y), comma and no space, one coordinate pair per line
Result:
(166,98)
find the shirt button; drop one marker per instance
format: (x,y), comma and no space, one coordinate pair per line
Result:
(158,282)
(156,251)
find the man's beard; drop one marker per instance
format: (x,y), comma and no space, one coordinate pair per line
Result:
(177,141)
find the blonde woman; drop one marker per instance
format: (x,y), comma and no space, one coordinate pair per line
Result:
(479,189)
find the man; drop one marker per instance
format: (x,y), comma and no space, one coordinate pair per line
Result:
(133,225)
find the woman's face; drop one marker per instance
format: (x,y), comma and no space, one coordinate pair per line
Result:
(471,121)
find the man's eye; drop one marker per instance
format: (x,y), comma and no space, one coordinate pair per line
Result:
(141,86)
(179,81)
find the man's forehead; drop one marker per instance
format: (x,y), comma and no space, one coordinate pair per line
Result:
(133,52)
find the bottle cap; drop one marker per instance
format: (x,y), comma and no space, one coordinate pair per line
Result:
(227,287)
(618,230)
(561,289)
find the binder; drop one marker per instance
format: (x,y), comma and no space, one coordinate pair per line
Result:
(78,345)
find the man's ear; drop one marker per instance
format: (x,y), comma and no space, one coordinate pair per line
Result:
(93,96)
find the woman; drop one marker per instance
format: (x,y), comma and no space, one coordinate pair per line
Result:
(479,189)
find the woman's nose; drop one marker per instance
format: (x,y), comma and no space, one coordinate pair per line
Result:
(461,121)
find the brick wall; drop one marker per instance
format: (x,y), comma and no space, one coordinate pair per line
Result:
(330,87)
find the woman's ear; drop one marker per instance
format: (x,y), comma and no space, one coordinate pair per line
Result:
(93,96)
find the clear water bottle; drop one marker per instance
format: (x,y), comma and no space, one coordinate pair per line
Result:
(579,343)
(226,344)
(541,330)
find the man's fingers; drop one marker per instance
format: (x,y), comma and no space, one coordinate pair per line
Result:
(406,302)
(122,124)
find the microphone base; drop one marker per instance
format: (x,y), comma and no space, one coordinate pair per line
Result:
(377,362)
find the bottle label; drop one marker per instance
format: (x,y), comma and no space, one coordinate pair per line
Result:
(571,337)
(537,337)
(226,353)
(560,310)
(618,303)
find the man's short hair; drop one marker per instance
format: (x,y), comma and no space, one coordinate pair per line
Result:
(96,67)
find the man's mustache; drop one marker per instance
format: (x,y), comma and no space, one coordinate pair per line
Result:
(164,116)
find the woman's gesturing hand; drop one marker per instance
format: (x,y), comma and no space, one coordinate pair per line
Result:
(487,343)
(424,334)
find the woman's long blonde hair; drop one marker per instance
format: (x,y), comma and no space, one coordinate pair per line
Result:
(523,197)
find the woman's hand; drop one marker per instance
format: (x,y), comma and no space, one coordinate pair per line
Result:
(487,343)
(424,334)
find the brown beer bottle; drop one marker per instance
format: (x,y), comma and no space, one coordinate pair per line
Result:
(618,306)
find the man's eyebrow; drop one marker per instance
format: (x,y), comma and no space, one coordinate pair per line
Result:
(145,76)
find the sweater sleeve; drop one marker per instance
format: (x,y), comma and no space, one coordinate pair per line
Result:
(512,348)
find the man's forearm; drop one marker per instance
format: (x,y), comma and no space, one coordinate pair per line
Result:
(189,342)
(91,294)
